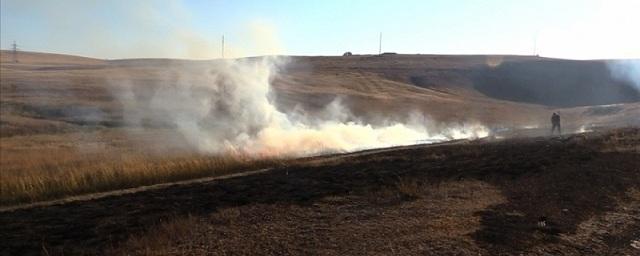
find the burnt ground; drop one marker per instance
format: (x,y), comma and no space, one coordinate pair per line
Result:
(463,198)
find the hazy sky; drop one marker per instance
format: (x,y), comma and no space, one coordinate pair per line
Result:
(580,29)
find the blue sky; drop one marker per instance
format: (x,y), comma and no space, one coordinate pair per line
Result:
(578,29)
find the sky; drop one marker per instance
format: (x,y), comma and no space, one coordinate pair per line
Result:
(574,29)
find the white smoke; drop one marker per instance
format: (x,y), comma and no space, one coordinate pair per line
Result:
(626,70)
(226,106)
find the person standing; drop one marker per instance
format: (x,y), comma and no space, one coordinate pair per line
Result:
(555,123)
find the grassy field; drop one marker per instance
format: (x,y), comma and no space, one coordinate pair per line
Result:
(63,175)
(481,197)
(44,167)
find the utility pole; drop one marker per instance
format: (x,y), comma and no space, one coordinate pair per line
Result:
(223,46)
(14,51)
(535,44)
(380,45)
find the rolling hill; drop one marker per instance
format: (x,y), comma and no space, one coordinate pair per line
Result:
(66,121)
(46,93)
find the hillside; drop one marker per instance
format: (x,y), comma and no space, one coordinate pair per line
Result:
(51,93)
(40,58)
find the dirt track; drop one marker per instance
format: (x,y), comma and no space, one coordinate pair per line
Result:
(477,197)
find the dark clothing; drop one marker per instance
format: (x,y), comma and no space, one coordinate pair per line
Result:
(555,123)
(553,128)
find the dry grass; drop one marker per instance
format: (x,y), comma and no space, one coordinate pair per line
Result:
(622,140)
(38,177)
(52,166)
(162,239)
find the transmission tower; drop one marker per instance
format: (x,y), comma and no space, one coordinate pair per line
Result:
(14,51)
(223,46)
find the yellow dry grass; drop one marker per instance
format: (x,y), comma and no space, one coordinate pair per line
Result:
(39,175)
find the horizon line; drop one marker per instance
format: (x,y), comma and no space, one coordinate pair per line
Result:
(354,55)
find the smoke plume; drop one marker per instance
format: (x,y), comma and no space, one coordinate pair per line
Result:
(626,70)
(224,106)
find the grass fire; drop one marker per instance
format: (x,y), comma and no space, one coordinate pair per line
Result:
(255,128)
